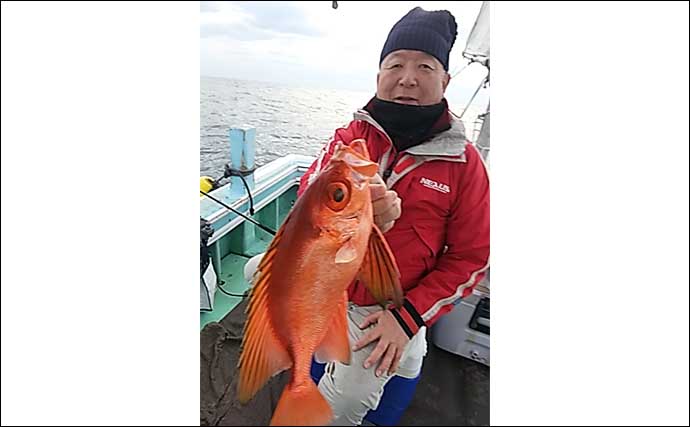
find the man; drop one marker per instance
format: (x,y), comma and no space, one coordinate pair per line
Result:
(431,201)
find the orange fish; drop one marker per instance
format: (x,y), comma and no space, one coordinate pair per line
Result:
(297,307)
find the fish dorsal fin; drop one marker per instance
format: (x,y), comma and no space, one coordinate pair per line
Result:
(263,355)
(356,156)
(360,146)
(336,345)
(379,271)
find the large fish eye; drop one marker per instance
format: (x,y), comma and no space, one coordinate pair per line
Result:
(338,195)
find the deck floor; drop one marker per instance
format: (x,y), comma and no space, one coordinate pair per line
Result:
(453,390)
(232,273)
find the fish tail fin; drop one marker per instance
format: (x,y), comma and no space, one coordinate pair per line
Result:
(302,405)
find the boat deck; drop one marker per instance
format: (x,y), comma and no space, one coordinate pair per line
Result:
(453,390)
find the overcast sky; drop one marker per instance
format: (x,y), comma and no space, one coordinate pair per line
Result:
(310,44)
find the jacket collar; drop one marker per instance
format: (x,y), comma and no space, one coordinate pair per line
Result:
(450,143)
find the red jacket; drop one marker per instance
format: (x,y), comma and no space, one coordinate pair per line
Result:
(441,240)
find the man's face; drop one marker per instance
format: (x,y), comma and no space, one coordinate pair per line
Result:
(411,77)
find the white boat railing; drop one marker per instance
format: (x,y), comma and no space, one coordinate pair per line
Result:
(266,183)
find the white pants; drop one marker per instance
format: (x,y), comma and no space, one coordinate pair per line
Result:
(350,389)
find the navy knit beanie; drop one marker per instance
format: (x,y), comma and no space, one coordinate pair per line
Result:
(431,32)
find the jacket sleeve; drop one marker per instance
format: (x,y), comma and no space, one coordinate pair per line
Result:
(466,259)
(345,135)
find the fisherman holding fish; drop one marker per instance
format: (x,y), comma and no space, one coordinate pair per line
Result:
(425,247)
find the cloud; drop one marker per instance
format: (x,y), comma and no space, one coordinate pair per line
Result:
(281,17)
(254,20)
(210,6)
(312,45)
(241,31)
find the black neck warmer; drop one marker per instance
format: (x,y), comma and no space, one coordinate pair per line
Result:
(407,125)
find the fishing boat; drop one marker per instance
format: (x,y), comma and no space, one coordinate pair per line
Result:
(269,192)
(239,219)
(452,387)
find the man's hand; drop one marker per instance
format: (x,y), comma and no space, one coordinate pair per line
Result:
(386,204)
(392,340)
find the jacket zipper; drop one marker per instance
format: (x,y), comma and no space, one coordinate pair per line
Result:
(389,170)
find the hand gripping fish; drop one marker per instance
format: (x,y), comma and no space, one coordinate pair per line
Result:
(297,307)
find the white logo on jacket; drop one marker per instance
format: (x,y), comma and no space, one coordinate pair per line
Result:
(440,187)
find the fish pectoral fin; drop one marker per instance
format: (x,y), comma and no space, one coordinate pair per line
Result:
(346,253)
(336,345)
(379,271)
(262,354)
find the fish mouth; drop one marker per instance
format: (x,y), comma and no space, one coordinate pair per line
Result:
(353,216)
(409,100)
